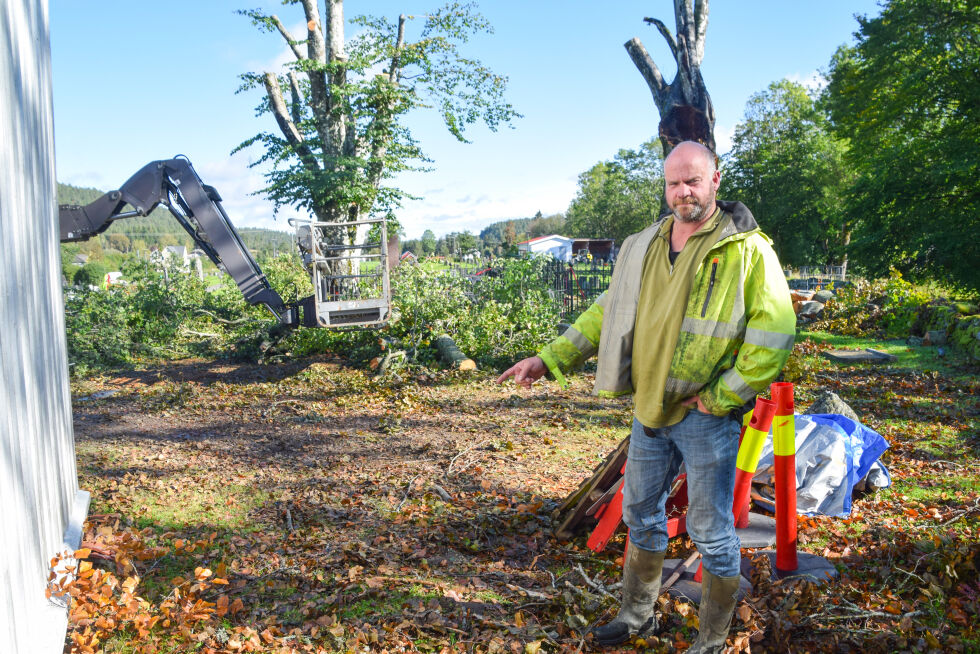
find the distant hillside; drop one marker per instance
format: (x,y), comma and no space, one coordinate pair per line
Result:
(160,228)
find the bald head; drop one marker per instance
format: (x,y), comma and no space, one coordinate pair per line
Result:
(691,179)
(688,150)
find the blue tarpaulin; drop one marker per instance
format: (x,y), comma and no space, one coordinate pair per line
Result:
(833,454)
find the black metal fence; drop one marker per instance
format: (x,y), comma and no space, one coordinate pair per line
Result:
(574,287)
(808,278)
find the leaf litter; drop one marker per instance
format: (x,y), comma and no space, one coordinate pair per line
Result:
(311,507)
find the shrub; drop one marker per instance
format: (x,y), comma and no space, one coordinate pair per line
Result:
(91,274)
(882,307)
(96,329)
(166,313)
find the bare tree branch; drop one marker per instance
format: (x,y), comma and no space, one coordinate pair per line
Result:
(335,29)
(315,51)
(295,97)
(315,47)
(288,128)
(336,139)
(684,19)
(379,147)
(394,74)
(664,32)
(293,44)
(700,29)
(687,62)
(644,62)
(684,70)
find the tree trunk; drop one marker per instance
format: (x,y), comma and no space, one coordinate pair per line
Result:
(451,355)
(686,112)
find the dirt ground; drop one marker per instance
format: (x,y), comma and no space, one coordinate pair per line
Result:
(348,512)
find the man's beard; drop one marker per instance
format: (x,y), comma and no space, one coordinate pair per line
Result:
(697,211)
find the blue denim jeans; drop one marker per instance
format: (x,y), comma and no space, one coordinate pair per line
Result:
(708,446)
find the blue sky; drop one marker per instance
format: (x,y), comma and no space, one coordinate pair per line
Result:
(138,81)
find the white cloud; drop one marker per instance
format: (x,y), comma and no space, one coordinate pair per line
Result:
(466,210)
(90,179)
(723,138)
(813,81)
(236,183)
(284,55)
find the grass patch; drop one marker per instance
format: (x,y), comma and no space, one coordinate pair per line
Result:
(941,441)
(932,488)
(389,603)
(951,362)
(217,505)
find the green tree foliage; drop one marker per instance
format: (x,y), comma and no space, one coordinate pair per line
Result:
(504,231)
(619,197)
(546,225)
(342,130)
(465,242)
(91,274)
(883,307)
(167,313)
(119,242)
(428,245)
(907,95)
(788,168)
(494,320)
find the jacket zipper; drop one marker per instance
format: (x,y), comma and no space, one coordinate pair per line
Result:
(711,283)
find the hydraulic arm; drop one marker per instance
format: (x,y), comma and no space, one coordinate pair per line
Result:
(350,280)
(197,207)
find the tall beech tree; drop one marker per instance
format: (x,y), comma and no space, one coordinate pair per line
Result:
(619,197)
(686,112)
(787,165)
(907,96)
(340,104)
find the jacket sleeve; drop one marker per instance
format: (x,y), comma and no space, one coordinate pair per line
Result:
(576,344)
(770,328)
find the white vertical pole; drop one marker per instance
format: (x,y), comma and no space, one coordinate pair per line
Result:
(41,508)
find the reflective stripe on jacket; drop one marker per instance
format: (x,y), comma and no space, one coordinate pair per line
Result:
(737,332)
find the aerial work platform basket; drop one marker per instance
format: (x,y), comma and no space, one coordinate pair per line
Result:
(351,286)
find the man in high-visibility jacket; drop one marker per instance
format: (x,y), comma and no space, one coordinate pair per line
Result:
(697,321)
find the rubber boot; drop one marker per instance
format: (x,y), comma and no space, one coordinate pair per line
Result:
(641,586)
(718,597)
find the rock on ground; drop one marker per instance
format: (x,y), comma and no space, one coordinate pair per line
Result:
(830,402)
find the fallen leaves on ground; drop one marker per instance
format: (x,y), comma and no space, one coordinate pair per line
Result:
(310,507)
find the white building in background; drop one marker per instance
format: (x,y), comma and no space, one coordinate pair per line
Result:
(41,506)
(559,247)
(184,259)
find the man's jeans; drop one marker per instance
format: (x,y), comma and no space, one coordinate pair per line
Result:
(708,446)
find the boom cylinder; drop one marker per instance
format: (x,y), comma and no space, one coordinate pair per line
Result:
(784,455)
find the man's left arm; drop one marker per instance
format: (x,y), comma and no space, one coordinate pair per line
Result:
(770,327)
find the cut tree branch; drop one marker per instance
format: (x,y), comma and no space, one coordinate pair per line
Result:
(316,48)
(394,74)
(664,32)
(334,128)
(295,97)
(644,62)
(288,128)
(293,43)
(700,29)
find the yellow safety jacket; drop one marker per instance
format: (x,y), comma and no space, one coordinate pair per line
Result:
(737,332)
